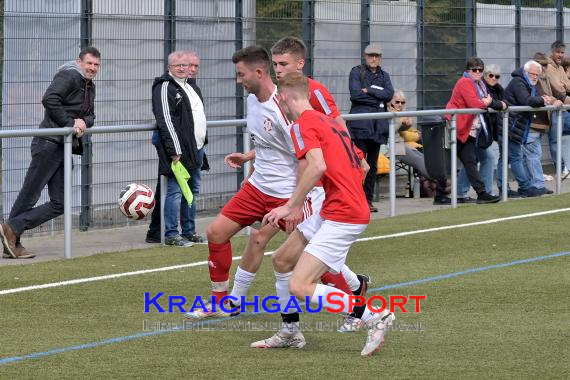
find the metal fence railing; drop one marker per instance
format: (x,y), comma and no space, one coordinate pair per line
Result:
(425,46)
(68,133)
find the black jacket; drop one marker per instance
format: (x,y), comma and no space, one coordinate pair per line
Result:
(175,122)
(495,120)
(520,93)
(379,93)
(69,96)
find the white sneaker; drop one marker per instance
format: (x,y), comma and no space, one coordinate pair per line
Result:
(377,328)
(201,314)
(565,173)
(351,324)
(548,177)
(282,340)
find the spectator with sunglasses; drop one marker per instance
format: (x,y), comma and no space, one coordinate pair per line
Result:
(485,156)
(407,142)
(473,130)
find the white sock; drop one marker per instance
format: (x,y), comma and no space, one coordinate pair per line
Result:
(323,290)
(282,288)
(351,278)
(242,282)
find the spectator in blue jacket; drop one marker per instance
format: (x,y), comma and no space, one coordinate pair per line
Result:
(370,91)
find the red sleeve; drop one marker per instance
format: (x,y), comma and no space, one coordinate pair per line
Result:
(469,94)
(322,100)
(305,137)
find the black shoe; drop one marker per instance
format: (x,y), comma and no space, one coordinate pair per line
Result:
(466,200)
(372,207)
(152,239)
(531,192)
(512,194)
(195,238)
(485,198)
(543,190)
(441,200)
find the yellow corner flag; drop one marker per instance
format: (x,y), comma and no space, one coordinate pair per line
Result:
(182,177)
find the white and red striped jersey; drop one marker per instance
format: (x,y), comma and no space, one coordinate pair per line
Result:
(275,162)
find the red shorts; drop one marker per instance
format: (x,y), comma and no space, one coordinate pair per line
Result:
(249,205)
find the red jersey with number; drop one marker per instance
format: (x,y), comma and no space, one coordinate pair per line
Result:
(345,201)
(321,99)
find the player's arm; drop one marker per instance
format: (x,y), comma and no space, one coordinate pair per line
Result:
(236,160)
(311,173)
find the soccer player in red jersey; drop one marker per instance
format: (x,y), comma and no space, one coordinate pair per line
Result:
(321,243)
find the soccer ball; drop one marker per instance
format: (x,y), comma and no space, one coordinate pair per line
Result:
(136,201)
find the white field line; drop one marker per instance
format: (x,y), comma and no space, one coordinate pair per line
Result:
(200,263)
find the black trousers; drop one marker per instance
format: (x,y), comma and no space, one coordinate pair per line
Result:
(466,153)
(46,168)
(371,149)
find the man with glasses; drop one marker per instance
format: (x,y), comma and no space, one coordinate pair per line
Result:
(179,112)
(521,91)
(370,91)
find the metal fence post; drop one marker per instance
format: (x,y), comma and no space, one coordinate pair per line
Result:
(559,151)
(517,4)
(420,62)
(560,20)
(87,157)
(505,154)
(240,107)
(309,34)
(169,28)
(392,190)
(470,10)
(364,26)
(453,143)
(67,194)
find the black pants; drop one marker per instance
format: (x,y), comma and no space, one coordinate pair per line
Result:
(46,168)
(466,153)
(154,227)
(371,149)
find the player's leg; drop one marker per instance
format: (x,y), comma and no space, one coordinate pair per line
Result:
(285,258)
(245,207)
(251,261)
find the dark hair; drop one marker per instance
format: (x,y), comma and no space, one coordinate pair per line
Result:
(253,56)
(89,50)
(557,45)
(290,45)
(474,62)
(540,58)
(565,63)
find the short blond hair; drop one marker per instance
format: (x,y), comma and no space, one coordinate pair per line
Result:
(295,81)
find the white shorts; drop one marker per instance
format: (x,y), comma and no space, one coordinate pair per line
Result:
(330,241)
(313,202)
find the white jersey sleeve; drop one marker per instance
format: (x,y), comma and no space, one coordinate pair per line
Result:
(275,164)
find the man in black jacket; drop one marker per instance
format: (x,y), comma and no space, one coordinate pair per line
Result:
(370,91)
(178,108)
(68,102)
(521,91)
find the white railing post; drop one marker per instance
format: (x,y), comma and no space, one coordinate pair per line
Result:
(67,194)
(453,143)
(392,186)
(505,152)
(559,152)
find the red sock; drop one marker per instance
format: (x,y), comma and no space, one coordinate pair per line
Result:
(336,280)
(219,264)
